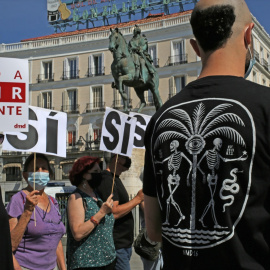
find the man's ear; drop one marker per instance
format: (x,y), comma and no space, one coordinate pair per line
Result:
(248,34)
(195,46)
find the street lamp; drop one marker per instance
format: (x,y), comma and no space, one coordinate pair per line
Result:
(82,140)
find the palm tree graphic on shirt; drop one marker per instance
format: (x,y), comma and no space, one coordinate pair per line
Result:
(194,131)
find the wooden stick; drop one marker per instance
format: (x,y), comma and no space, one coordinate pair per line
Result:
(114,172)
(35,159)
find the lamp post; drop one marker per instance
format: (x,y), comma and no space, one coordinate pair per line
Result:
(81,141)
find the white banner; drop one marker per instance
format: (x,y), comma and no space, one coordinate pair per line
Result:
(141,124)
(117,132)
(14,90)
(47,134)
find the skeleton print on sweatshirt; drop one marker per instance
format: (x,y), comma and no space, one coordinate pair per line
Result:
(203,154)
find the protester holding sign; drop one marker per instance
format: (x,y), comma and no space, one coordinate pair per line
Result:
(122,206)
(35,221)
(90,222)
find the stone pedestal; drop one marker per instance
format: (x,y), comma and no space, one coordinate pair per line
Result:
(131,178)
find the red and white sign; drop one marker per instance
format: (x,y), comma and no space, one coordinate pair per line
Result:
(14,91)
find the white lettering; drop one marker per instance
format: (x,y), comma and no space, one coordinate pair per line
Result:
(16,92)
(190,253)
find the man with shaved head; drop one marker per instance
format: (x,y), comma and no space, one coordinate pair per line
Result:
(215,213)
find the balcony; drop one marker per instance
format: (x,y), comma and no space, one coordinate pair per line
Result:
(177,60)
(71,74)
(70,108)
(44,78)
(95,107)
(71,149)
(48,107)
(118,104)
(96,71)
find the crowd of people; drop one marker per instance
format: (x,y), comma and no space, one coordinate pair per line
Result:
(100,223)
(208,206)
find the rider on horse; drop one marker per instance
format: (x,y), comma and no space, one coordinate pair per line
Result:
(138,47)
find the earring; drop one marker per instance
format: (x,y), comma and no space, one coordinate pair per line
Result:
(84,184)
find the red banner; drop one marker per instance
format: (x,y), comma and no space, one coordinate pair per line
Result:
(12,92)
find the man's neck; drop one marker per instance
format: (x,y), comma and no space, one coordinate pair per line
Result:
(222,63)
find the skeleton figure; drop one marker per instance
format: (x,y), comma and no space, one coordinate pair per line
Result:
(213,159)
(174,163)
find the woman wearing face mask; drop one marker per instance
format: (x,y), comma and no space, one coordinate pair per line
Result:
(90,222)
(36,237)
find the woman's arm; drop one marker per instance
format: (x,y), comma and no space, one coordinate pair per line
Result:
(18,227)
(76,216)
(60,257)
(16,264)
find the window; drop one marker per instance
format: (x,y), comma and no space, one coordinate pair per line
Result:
(13,172)
(47,100)
(97,133)
(71,68)
(261,55)
(97,97)
(264,82)
(72,99)
(47,67)
(176,84)
(149,98)
(118,100)
(71,138)
(153,52)
(96,65)
(178,56)
(268,61)
(180,83)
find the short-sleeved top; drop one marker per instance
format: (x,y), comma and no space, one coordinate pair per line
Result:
(97,249)
(123,232)
(5,247)
(208,163)
(37,249)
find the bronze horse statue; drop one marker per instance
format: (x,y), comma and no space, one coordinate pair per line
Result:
(125,72)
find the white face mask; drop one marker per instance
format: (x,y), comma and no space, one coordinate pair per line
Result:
(252,62)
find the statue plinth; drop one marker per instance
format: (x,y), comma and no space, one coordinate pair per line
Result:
(131,178)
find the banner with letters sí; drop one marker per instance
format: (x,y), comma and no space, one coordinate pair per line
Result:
(14,91)
(47,133)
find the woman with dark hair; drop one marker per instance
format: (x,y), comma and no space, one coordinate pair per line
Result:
(36,237)
(90,222)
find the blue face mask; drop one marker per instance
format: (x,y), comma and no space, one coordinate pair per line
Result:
(41,179)
(252,62)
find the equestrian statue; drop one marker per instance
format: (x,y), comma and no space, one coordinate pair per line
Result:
(132,66)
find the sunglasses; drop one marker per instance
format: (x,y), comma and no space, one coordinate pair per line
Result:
(2,137)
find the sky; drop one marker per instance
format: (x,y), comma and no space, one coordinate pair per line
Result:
(23,19)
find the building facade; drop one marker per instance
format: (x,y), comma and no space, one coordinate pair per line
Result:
(71,72)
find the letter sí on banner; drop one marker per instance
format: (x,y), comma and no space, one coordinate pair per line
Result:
(117,132)
(46,134)
(121,132)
